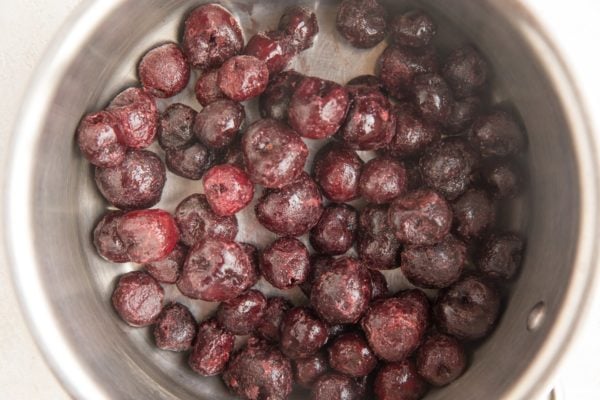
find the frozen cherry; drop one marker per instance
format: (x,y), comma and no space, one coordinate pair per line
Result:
(317,108)
(207,88)
(433,97)
(474,213)
(234,155)
(108,243)
(137,116)
(308,370)
(242,314)
(292,210)
(350,354)
(216,270)
(148,235)
(441,359)
(382,180)
(377,245)
(465,71)
(336,230)
(337,171)
(399,381)
(228,189)
(252,253)
(379,287)
(373,220)
(175,328)
(414,28)
(417,297)
(211,36)
(197,221)
(468,309)
(340,329)
(368,81)
(370,122)
(364,385)
(164,70)
(379,252)
(273,153)
(395,326)
(449,167)
(268,326)
(136,183)
(414,180)
(300,24)
(502,178)
(138,298)
(243,77)
(275,100)
(464,112)
(399,65)
(175,127)
(501,255)
(274,48)
(421,217)
(334,386)
(413,133)
(302,333)
(362,22)
(285,263)
(319,263)
(98,139)
(212,349)
(259,371)
(342,293)
(219,122)
(190,163)
(167,269)
(498,134)
(437,266)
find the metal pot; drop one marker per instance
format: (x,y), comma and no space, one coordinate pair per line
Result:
(51,204)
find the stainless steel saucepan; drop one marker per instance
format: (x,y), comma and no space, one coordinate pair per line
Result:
(51,204)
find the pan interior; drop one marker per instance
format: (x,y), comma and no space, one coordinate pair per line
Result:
(124,360)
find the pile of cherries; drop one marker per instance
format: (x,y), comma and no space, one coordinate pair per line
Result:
(440,161)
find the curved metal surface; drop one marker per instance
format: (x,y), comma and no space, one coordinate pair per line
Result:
(51,203)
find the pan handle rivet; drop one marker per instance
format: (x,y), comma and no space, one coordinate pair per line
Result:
(536,316)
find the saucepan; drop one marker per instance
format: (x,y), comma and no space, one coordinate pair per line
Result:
(51,204)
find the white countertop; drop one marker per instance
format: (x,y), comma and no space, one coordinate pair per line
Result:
(26,27)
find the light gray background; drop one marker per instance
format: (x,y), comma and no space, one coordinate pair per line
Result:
(26,27)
